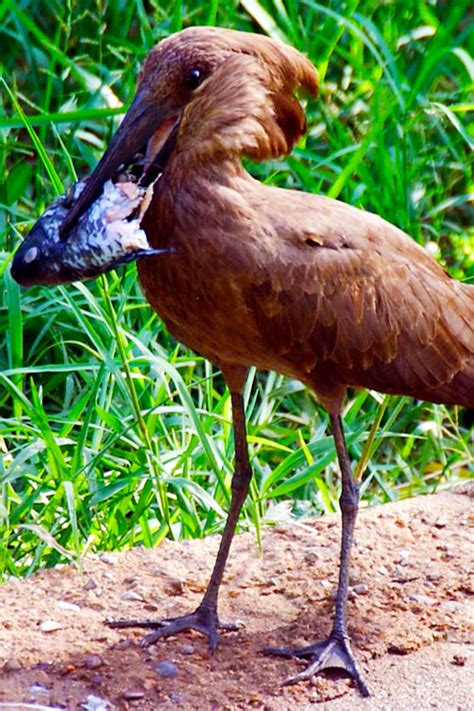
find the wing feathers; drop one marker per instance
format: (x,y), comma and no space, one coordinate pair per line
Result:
(368,304)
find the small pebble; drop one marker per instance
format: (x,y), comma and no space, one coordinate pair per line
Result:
(149,607)
(95,703)
(166,669)
(133,694)
(459,660)
(38,689)
(404,557)
(441,522)
(400,649)
(176,698)
(123,644)
(361,589)
(93,661)
(11,665)
(108,559)
(423,600)
(454,606)
(44,668)
(69,606)
(175,587)
(90,585)
(187,649)
(446,547)
(401,575)
(50,626)
(131,580)
(132,595)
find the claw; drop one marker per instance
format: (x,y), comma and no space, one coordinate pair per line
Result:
(333,653)
(203,620)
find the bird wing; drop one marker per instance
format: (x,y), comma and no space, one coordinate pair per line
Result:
(342,287)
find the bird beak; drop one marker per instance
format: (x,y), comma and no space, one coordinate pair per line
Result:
(140,123)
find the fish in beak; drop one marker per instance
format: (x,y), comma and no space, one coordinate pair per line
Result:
(95,227)
(105,236)
(144,129)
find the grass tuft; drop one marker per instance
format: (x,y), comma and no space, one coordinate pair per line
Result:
(112,434)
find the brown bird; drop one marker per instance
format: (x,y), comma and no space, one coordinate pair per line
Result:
(279,279)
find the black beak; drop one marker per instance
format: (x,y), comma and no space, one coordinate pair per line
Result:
(139,124)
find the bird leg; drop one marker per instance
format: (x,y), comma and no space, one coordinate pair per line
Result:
(205,618)
(335,651)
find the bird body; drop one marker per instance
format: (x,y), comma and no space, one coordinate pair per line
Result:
(307,286)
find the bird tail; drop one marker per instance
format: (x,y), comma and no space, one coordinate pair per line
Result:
(459,319)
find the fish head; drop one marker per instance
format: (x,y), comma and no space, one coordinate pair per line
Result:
(34,261)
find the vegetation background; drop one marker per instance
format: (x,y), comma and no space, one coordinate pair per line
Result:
(111,433)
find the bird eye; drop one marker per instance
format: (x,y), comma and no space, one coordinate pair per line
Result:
(194,77)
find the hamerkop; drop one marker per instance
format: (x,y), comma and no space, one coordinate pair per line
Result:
(278,279)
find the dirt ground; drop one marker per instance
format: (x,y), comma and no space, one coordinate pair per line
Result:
(410,618)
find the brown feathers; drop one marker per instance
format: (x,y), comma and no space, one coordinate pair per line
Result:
(283,280)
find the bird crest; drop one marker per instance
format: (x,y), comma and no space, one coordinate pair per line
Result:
(246,100)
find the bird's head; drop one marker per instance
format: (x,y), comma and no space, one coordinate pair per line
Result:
(212,94)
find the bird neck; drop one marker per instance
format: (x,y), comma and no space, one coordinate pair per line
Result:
(186,170)
(200,198)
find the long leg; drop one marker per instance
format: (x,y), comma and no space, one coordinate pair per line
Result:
(205,619)
(335,651)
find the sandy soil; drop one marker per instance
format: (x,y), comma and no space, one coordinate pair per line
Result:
(410,619)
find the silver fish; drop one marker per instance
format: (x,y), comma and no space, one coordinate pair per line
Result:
(107,235)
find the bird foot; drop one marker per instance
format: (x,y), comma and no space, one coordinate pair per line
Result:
(333,653)
(203,619)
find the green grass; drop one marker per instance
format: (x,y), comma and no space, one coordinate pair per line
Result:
(112,434)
